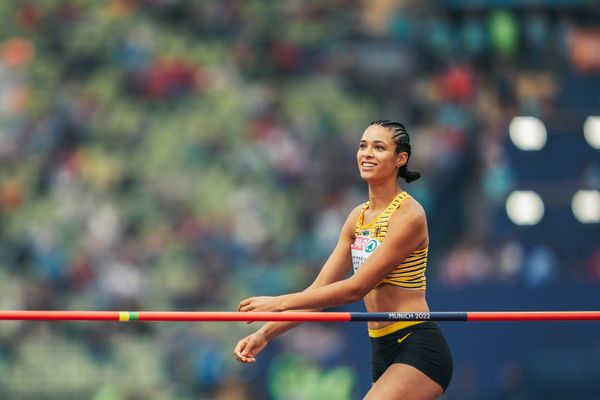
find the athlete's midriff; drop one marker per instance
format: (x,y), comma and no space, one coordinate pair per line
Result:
(390,295)
(391,298)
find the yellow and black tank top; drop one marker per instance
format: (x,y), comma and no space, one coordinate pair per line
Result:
(410,274)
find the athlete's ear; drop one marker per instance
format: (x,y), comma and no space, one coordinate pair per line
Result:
(402,159)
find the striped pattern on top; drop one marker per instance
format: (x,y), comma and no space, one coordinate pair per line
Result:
(410,274)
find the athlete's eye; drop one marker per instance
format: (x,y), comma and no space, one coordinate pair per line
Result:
(362,146)
(379,147)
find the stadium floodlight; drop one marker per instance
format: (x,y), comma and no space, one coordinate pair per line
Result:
(527,133)
(586,206)
(524,207)
(591,131)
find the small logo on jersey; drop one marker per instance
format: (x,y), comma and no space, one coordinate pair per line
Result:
(377,230)
(371,246)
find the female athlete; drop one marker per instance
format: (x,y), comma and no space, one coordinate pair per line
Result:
(385,240)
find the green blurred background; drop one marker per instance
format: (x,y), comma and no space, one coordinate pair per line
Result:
(183,155)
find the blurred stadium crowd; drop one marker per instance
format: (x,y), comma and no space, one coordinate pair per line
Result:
(182,155)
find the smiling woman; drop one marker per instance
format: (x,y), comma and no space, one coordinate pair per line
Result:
(385,242)
(400,146)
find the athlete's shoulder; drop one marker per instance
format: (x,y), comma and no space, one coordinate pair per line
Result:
(410,209)
(352,219)
(356,210)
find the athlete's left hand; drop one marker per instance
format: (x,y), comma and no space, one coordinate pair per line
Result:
(261,304)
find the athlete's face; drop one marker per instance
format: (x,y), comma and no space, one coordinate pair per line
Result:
(376,156)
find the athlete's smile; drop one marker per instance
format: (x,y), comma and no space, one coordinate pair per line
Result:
(368,164)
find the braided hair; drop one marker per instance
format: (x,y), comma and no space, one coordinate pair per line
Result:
(402,140)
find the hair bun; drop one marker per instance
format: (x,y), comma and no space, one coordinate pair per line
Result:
(407,175)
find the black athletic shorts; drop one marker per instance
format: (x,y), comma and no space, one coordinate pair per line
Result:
(420,345)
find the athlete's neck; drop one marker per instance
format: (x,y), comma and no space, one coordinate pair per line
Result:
(382,195)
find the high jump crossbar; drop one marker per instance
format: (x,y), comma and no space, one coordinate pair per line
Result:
(215,316)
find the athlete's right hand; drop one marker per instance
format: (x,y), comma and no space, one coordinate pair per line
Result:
(247,348)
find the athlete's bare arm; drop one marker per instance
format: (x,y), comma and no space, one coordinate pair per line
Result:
(407,231)
(335,269)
